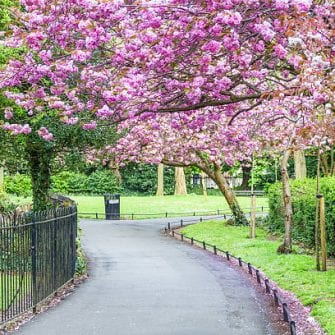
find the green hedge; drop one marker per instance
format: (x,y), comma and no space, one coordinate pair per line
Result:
(304,204)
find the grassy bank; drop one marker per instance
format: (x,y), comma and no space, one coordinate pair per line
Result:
(295,272)
(144,207)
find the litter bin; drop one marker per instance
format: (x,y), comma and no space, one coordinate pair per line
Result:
(112,206)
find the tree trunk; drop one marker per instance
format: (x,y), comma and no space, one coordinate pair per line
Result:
(230,197)
(286,247)
(116,171)
(204,183)
(40,170)
(246,170)
(300,169)
(180,182)
(160,180)
(253,217)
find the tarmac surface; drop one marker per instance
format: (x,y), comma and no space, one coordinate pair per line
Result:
(144,283)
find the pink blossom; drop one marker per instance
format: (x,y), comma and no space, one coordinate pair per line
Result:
(90,126)
(8,113)
(45,134)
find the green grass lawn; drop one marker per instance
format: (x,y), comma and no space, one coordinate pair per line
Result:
(295,272)
(152,206)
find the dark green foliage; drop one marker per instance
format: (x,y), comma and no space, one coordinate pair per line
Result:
(304,203)
(142,179)
(99,182)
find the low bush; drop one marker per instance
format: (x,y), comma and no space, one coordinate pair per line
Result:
(18,184)
(304,206)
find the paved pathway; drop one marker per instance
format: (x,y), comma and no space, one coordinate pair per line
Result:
(144,283)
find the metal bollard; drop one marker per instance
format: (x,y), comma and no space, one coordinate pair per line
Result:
(192,241)
(249,268)
(204,245)
(292,328)
(285,311)
(275,297)
(169,226)
(182,237)
(258,277)
(228,256)
(267,285)
(240,261)
(214,248)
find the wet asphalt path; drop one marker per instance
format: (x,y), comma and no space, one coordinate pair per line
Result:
(144,283)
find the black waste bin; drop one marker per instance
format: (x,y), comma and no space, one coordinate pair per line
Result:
(112,206)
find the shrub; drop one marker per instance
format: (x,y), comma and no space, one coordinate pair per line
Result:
(18,184)
(304,206)
(99,182)
(142,179)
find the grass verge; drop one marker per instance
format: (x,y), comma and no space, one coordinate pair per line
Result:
(295,272)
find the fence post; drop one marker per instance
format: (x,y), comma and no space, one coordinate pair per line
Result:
(181,223)
(227,254)
(74,237)
(182,237)
(169,226)
(258,277)
(323,233)
(214,248)
(192,241)
(54,248)
(204,244)
(33,262)
(249,268)
(240,261)
(96,216)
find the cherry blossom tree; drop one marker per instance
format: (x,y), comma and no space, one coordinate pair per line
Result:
(90,62)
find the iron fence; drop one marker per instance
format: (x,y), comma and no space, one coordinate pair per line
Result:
(37,256)
(261,279)
(138,216)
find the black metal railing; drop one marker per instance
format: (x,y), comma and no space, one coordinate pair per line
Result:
(37,257)
(261,279)
(138,216)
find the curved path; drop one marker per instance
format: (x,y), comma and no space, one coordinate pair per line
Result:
(144,283)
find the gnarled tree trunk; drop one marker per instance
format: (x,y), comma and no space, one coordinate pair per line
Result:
(180,182)
(40,157)
(246,174)
(286,247)
(160,180)
(230,197)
